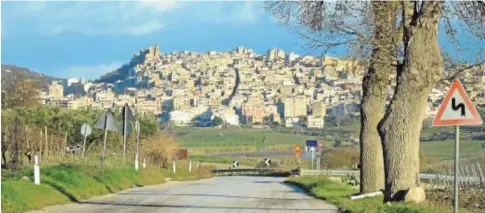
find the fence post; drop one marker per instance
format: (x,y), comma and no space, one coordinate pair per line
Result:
(36,170)
(474,173)
(462,181)
(482,182)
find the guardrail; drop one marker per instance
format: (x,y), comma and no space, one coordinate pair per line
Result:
(251,172)
(226,172)
(422,176)
(310,172)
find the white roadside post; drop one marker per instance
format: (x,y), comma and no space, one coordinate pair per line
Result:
(137,129)
(144,163)
(36,170)
(190,166)
(173,166)
(456,110)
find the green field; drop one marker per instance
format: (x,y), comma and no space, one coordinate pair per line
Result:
(444,150)
(203,138)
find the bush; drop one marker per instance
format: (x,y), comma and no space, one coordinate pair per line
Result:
(160,149)
(341,158)
(217,121)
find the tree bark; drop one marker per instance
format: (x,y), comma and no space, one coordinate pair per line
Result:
(401,126)
(374,97)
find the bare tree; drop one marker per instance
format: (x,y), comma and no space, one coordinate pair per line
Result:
(336,24)
(23,93)
(414,52)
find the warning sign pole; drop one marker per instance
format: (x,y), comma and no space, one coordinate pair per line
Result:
(457,159)
(457,109)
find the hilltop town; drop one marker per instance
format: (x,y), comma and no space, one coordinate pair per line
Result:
(240,87)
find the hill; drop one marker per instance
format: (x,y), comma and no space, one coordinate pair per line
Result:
(11,72)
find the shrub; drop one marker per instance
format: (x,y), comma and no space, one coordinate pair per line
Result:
(341,158)
(159,149)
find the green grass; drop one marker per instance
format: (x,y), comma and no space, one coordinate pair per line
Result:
(339,195)
(444,150)
(199,138)
(203,159)
(71,183)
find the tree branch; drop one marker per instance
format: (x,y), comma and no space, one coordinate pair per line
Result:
(455,75)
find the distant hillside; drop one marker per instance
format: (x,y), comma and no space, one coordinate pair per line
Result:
(10,72)
(118,74)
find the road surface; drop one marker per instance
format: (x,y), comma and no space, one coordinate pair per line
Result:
(215,195)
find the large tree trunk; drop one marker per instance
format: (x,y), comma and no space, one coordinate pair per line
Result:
(401,127)
(374,97)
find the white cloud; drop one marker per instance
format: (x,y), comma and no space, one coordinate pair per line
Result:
(123,17)
(92,18)
(244,13)
(90,72)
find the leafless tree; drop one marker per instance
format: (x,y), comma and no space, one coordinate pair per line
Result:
(400,37)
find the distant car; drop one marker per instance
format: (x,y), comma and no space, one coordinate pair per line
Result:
(73,149)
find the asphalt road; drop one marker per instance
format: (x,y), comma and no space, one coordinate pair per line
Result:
(215,195)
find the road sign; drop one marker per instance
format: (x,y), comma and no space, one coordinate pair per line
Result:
(129,115)
(235,164)
(106,121)
(121,128)
(85,130)
(457,108)
(125,128)
(297,149)
(267,162)
(311,143)
(307,156)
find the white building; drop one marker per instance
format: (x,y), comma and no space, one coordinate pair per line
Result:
(315,122)
(180,118)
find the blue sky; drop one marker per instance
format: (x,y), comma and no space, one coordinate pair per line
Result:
(87,39)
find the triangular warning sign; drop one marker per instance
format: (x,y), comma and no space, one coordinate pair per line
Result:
(457,108)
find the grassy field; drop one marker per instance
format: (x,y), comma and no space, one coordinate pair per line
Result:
(244,137)
(339,194)
(69,182)
(444,150)
(214,138)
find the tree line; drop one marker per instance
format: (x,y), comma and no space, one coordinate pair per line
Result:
(47,131)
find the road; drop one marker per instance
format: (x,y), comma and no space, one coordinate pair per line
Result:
(215,195)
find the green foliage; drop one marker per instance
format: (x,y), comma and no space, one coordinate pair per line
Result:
(217,121)
(339,194)
(351,180)
(70,121)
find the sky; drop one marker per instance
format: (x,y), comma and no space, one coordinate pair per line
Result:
(88,39)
